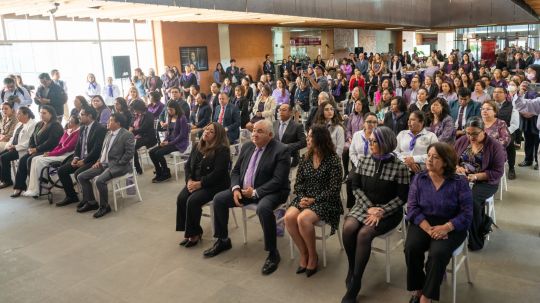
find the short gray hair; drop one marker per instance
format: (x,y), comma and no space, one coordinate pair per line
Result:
(268,126)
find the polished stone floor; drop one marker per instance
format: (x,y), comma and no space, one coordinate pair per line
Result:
(50,254)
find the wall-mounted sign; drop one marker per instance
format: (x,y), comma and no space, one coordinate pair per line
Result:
(304,41)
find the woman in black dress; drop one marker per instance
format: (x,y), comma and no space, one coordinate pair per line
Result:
(143,129)
(318,183)
(207,173)
(380,189)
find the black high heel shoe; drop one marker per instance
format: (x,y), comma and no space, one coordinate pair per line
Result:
(16,194)
(311,272)
(300,270)
(184,242)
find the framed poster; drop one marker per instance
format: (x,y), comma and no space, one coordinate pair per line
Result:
(197,55)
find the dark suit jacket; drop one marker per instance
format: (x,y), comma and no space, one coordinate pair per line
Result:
(213,101)
(146,128)
(473,109)
(94,143)
(243,106)
(513,64)
(231,120)
(293,136)
(401,122)
(47,139)
(214,172)
(57,96)
(203,115)
(268,69)
(433,91)
(272,175)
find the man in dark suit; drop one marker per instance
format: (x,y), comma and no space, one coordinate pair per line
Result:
(86,153)
(268,67)
(233,72)
(517,65)
(213,99)
(261,176)
(49,93)
(114,161)
(290,132)
(228,115)
(462,109)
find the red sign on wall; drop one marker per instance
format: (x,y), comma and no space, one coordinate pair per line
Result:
(488,51)
(304,41)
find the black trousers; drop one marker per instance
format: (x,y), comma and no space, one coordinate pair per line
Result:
(189,210)
(531,146)
(147,142)
(511,152)
(157,155)
(64,175)
(22,171)
(6,157)
(265,211)
(345,160)
(439,255)
(480,192)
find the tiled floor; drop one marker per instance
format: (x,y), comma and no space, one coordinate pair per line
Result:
(50,254)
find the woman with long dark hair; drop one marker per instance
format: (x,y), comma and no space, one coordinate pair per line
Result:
(207,173)
(317,196)
(219,73)
(121,107)
(176,139)
(103,112)
(441,123)
(79,102)
(328,116)
(143,130)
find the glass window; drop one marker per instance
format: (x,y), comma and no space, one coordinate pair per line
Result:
(76,30)
(116,30)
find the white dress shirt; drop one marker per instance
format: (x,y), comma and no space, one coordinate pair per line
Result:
(107,147)
(419,152)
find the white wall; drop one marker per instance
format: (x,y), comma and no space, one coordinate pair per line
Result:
(409,41)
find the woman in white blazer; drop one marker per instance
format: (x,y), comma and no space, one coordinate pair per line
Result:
(17,145)
(264,108)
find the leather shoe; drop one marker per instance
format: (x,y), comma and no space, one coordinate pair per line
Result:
(300,270)
(219,247)
(81,204)
(535,167)
(271,264)
(67,201)
(525,163)
(16,194)
(5,185)
(311,272)
(511,174)
(192,243)
(102,211)
(414,299)
(87,207)
(184,242)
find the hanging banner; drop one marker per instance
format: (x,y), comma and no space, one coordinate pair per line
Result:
(488,51)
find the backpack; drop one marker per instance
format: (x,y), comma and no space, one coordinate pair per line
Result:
(17,89)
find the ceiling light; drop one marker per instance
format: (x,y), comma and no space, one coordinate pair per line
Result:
(394,28)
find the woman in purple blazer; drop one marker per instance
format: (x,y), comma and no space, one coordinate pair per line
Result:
(481,158)
(176,139)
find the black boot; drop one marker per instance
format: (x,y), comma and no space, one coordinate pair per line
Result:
(158,175)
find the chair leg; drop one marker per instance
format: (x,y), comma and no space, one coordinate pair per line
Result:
(387,253)
(291,244)
(212,218)
(137,188)
(340,237)
(323,238)
(114,196)
(454,279)
(244,220)
(467,269)
(234,217)
(176,167)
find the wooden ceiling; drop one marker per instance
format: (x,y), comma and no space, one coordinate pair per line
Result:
(535,5)
(139,11)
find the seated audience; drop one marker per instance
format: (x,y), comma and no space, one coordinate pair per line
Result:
(201,115)
(439,210)
(396,119)
(7,124)
(121,107)
(78,103)
(103,112)
(242,103)
(380,192)
(207,173)
(264,108)
(412,143)
(493,126)
(115,161)
(176,139)
(481,158)
(290,132)
(269,189)
(328,116)
(86,153)
(155,106)
(47,134)
(506,112)
(18,145)
(228,116)
(355,123)
(441,123)
(463,109)
(317,196)
(448,92)
(143,130)
(63,150)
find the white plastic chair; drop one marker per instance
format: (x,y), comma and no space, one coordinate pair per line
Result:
(245,217)
(503,183)
(210,215)
(456,264)
(323,237)
(180,159)
(14,167)
(490,210)
(144,154)
(387,248)
(118,188)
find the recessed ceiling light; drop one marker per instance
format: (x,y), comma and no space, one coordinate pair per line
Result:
(293,22)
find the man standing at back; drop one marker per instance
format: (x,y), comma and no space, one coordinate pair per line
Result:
(49,93)
(260,176)
(290,132)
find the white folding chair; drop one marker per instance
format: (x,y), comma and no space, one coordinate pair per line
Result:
(323,237)
(387,248)
(180,159)
(143,153)
(490,210)
(14,167)
(456,264)
(210,215)
(118,188)
(246,217)
(503,183)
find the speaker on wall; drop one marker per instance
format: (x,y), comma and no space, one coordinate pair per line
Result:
(122,67)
